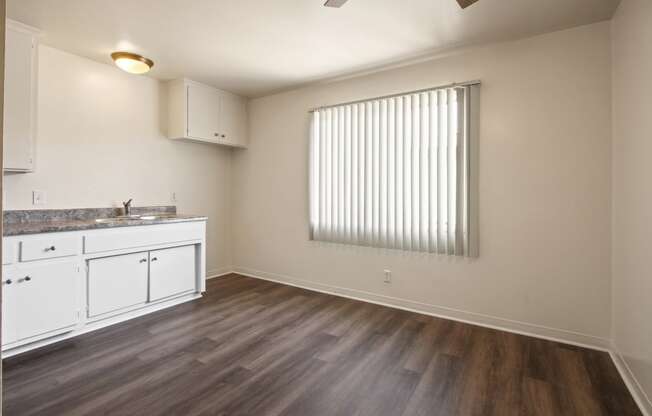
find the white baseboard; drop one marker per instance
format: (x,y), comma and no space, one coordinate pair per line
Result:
(473,318)
(635,388)
(518,327)
(212,274)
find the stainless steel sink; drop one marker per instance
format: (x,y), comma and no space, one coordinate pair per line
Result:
(156,216)
(135,217)
(116,219)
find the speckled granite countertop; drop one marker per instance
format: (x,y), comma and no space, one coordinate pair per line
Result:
(59,220)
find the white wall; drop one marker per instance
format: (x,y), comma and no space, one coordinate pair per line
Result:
(545,177)
(101,140)
(632,190)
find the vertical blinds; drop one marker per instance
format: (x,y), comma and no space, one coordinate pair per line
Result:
(393,172)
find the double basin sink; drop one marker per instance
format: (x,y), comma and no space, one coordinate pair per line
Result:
(136,217)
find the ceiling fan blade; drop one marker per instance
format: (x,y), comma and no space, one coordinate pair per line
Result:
(465,3)
(334,3)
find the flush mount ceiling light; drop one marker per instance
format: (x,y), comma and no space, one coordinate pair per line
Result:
(339,3)
(132,63)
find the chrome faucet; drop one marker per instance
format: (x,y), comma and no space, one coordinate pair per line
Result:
(127,206)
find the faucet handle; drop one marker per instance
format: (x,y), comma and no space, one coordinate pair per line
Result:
(128,202)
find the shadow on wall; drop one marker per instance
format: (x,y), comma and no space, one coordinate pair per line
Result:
(163,109)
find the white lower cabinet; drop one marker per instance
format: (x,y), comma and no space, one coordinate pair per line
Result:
(38,299)
(62,284)
(171,271)
(116,283)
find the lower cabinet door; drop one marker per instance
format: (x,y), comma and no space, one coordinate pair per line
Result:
(116,283)
(44,298)
(172,271)
(9,315)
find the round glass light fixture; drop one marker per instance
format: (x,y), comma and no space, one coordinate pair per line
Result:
(132,63)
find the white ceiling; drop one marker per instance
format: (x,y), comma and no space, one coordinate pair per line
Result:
(254,47)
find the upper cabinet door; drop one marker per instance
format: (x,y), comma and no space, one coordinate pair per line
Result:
(19,99)
(203,112)
(233,116)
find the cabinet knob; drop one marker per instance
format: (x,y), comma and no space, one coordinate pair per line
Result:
(8,282)
(223,135)
(27,278)
(216,134)
(51,248)
(154,258)
(143,260)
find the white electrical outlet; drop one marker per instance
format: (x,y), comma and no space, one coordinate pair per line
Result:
(388,276)
(39,198)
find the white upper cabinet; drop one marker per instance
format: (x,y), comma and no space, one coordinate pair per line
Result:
(203,113)
(20,97)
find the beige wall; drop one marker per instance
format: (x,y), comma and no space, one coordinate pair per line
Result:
(101,140)
(632,190)
(544,191)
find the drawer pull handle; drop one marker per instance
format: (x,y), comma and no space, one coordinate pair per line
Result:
(143,260)
(8,282)
(154,258)
(51,248)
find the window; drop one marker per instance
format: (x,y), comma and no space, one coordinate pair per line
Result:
(396,172)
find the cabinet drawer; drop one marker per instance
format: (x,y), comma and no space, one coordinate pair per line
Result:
(49,247)
(8,252)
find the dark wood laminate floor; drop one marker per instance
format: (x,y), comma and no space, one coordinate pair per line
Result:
(251,347)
